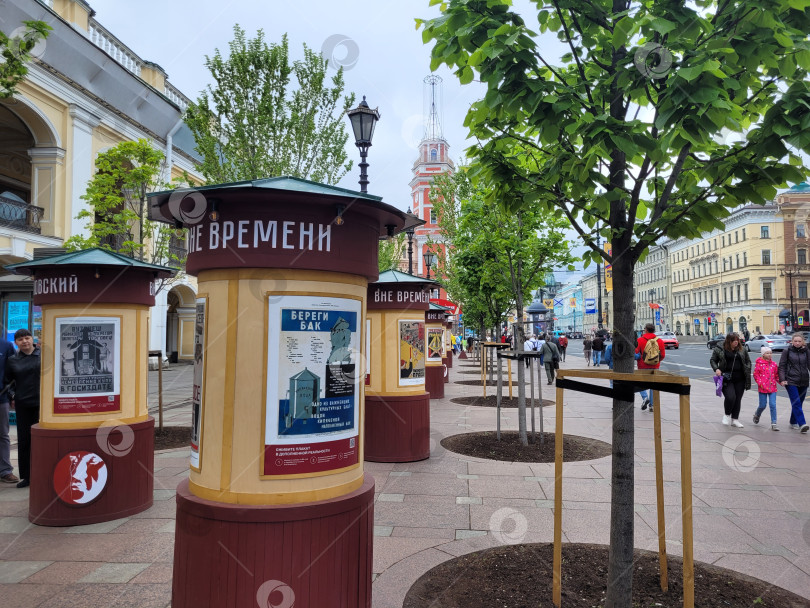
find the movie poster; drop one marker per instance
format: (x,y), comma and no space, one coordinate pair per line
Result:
(435,347)
(89,374)
(411,353)
(197,384)
(313,384)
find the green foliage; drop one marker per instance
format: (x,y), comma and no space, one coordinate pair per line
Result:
(252,123)
(117,212)
(496,258)
(390,252)
(16,52)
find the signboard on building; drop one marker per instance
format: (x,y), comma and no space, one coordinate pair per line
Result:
(590,305)
(89,376)
(313,384)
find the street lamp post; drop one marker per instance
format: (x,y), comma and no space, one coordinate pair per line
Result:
(409,231)
(789,271)
(363,120)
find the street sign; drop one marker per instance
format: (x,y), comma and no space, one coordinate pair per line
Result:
(590,305)
(712,315)
(697,321)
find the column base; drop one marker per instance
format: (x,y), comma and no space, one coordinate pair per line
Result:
(397,428)
(87,476)
(450,358)
(312,555)
(434,381)
(462,355)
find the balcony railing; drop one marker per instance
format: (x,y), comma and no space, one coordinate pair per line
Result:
(20,216)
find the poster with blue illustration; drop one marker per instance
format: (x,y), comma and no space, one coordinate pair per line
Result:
(313,384)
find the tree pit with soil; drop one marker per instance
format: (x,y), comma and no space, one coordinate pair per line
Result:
(172,437)
(492,401)
(520,576)
(485,444)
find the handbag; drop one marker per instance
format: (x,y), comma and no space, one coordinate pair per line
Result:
(727,375)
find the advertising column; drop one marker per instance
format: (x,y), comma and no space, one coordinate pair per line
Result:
(397,405)
(92,453)
(277,500)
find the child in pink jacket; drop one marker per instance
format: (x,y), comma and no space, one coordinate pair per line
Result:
(766,375)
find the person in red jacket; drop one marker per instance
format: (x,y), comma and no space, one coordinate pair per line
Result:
(646,357)
(563,346)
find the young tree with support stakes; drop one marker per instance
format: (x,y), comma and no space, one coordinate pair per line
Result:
(117,208)
(660,119)
(265,116)
(495,251)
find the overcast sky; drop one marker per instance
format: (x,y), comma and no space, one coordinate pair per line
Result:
(376,41)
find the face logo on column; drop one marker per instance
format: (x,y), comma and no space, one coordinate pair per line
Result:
(79,478)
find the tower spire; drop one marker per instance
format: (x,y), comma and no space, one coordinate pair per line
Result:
(433,107)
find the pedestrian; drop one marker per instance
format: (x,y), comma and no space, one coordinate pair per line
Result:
(766,374)
(731,361)
(6,470)
(598,349)
(528,345)
(24,369)
(794,375)
(587,345)
(563,347)
(650,351)
(551,358)
(464,345)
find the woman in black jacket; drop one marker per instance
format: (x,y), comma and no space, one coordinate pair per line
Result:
(794,375)
(733,363)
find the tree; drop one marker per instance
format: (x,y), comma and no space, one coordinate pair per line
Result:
(390,252)
(496,253)
(116,214)
(252,124)
(660,119)
(16,51)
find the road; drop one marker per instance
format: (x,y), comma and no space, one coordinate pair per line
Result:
(691,360)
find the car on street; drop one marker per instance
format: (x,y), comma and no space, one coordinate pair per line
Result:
(718,340)
(775,342)
(670,340)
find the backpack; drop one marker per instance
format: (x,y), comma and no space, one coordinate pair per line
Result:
(651,354)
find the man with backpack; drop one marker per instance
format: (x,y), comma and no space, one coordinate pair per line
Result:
(650,352)
(563,346)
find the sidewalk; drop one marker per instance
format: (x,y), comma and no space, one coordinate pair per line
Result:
(751,507)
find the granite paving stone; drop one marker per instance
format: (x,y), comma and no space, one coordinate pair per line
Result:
(17,571)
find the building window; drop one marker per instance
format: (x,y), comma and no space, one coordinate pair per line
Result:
(738,293)
(723,241)
(434,154)
(745,258)
(736,236)
(766,257)
(800,233)
(801,256)
(717,295)
(802,289)
(725,295)
(767,293)
(745,292)
(764,232)
(715,266)
(743,233)
(432,216)
(738,260)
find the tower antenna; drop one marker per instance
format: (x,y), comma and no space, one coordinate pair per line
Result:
(433,107)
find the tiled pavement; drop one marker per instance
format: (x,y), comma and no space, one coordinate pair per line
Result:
(751,506)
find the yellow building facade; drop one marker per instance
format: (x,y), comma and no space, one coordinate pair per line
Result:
(86,91)
(730,280)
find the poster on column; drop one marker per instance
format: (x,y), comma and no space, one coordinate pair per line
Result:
(88,376)
(411,353)
(435,347)
(314,370)
(197,383)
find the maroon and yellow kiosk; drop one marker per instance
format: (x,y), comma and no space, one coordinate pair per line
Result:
(448,336)
(435,369)
(92,453)
(277,508)
(397,405)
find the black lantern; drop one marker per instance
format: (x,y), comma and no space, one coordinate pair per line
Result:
(363,120)
(429,258)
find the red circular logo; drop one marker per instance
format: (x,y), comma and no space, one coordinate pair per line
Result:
(79,477)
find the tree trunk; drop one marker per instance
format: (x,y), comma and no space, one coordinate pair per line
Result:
(620,566)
